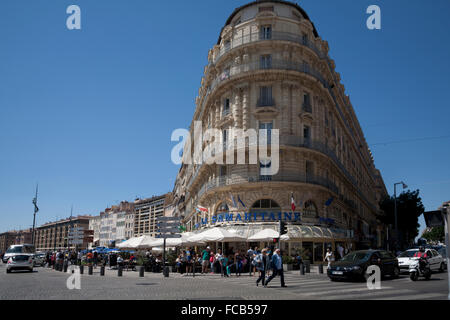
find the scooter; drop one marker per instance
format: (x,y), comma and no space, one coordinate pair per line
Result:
(419,267)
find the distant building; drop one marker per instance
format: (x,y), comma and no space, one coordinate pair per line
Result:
(10,238)
(146,211)
(113,225)
(55,235)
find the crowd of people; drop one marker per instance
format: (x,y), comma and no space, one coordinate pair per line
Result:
(266,263)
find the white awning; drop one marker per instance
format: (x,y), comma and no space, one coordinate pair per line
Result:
(216,234)
(134,243)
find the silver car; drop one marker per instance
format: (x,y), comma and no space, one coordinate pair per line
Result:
(20,262)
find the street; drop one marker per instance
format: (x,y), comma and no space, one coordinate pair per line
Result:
(47,284)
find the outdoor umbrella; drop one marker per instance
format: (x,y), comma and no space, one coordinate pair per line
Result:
(134,243)
(216,234)
(265,235)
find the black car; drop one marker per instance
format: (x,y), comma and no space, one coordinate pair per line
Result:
(354,265)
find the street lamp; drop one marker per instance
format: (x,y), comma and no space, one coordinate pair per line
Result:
(395,207)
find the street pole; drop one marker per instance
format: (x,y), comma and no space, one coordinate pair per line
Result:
(395,212)
(36,209)
(446,215)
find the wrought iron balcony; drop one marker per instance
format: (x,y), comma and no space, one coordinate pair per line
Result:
(267,102)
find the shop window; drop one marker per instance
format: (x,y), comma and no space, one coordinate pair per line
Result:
(310,209)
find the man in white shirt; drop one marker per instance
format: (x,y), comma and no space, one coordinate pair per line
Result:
(329,257)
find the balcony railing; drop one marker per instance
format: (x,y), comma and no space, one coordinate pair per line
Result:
(267,102)
(223,181)
(237,42)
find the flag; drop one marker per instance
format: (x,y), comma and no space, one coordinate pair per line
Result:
(329,202)
(233,200)
(240,201)
(202,209)
(293,205)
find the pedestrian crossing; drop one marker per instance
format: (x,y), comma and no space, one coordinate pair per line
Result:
(319,287)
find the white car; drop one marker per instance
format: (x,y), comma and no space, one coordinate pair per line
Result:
(17,250)
(39,259)
(436,261)
(20,262)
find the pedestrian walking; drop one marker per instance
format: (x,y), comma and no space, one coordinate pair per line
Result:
(261,263)
(277,264)
(205,259)
(329,257)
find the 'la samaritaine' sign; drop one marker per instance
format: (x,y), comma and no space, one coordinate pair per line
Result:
(259,217)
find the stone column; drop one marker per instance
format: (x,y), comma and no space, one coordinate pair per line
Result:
(295,110)
(217,113)
(245,108)
(285,106)
(237,109)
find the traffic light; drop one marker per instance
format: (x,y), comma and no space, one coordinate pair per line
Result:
(283,228)
(275,241)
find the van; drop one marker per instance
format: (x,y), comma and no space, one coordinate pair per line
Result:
(17,250)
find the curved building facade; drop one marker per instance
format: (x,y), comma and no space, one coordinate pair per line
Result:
(271,70)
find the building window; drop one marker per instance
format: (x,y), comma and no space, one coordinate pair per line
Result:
(307,103)
(267,126)
(262,9)
(266,204)
(266,33)
(310,209)
(307,135)
(265,97)
(309,170)
(266,62)
(226,107)
(304,38)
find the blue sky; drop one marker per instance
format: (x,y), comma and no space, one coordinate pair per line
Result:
(88,114)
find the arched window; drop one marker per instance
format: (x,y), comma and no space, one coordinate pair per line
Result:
(222,208)
(310,209)
(265,204)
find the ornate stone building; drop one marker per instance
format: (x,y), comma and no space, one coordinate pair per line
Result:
(271,70)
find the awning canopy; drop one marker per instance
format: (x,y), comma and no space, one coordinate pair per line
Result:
(134,243)
(265,235)
(217,234)
(295,232)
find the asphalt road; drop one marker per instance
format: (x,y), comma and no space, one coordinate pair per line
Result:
(46,284)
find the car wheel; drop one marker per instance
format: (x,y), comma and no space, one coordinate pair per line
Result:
(442,267)
(8,271)
(31,270)
(413,276)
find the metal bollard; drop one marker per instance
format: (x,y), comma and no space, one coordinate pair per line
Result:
(307,266)
(66,266)
(91,270)
(141,272)
(81,269)
(61,267)
(320,268)
(302,269)
(119,271)
(102,270)
(166,272)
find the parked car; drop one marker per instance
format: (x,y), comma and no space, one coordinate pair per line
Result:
(20,262)
(18,249)
(39,259)
(443,252)
(436,261)
(354,265)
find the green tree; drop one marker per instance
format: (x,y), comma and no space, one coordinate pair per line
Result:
(435,234)
(409,209)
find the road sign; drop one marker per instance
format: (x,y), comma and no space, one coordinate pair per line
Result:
(161,219)
(168,236)
(434,219)
(162,224)
(75,242)
(169,230)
